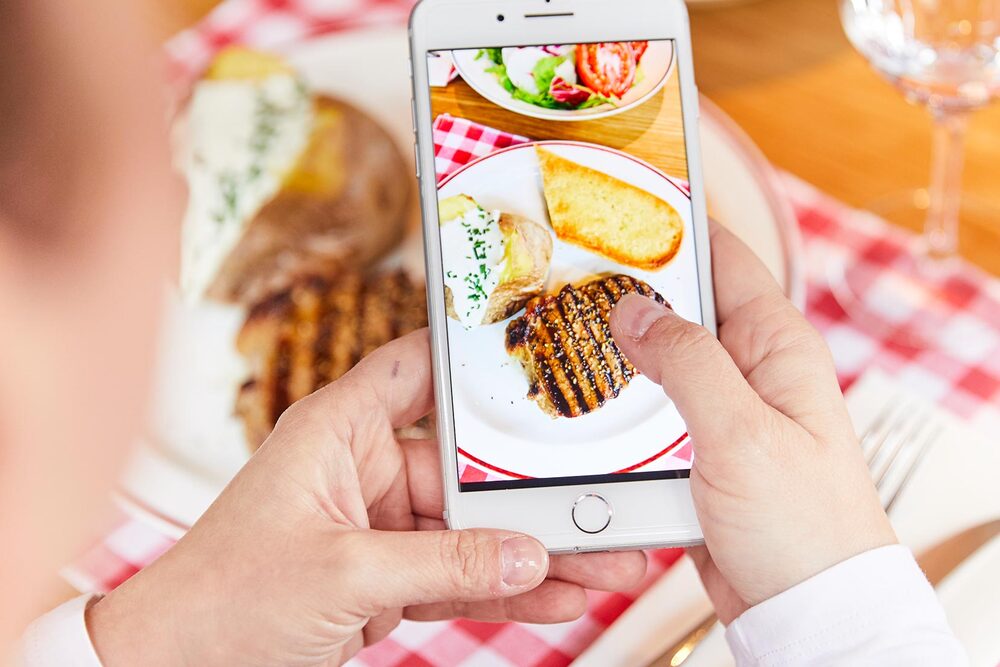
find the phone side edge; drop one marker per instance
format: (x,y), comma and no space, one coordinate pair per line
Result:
(436,312)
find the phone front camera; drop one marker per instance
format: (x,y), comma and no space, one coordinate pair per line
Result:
(499,17)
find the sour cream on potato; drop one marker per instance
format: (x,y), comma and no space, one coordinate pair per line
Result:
(472,249)
(242,139)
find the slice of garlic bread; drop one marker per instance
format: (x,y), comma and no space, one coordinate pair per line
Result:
(598,212)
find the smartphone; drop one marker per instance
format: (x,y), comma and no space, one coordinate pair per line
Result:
(559,167)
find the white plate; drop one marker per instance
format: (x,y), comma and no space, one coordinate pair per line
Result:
(495,422)
(655,66)
(176,479)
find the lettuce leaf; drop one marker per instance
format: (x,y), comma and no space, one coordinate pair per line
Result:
(544,71)
(500,72)
(493,54)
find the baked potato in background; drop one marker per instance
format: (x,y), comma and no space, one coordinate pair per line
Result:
(527,254)
(340,200)
(344,205)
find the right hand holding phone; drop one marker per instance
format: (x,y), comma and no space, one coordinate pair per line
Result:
(780,486)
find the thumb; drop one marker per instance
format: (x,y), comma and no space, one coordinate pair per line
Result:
(693,368)
(400,569)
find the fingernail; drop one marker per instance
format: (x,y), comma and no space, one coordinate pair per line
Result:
(635,314)
(523,560)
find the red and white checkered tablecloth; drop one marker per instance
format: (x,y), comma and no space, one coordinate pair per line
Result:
(961,371)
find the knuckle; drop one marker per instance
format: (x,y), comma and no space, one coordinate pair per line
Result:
(681,338)
(791,327)
(349,552)
(465,556)
(296,417)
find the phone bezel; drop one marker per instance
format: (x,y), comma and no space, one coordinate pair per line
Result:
(647,513)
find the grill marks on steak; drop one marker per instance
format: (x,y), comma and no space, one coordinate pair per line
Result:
(564,343)
(307,337)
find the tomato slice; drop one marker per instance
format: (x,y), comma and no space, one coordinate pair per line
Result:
(607,68)
(639,48)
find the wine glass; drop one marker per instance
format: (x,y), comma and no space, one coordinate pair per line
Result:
(942,54)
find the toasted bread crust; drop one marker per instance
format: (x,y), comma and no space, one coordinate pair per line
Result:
(598,212)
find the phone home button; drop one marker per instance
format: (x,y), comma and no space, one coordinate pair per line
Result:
(592,513)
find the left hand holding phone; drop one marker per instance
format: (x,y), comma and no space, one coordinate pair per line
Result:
(330,535)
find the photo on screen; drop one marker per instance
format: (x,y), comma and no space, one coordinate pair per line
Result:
(562,185)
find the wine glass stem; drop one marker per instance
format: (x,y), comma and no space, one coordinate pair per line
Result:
(941,226)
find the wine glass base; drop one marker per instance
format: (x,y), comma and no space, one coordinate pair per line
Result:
(901,297)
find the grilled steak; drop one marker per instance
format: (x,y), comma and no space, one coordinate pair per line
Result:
(564,343)
(304,338)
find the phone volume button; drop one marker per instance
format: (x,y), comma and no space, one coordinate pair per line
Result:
(416,160)
(413,116)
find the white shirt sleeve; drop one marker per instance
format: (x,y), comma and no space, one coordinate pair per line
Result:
(876,608)
(60,638)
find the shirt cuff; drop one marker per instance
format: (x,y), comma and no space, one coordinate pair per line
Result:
(60,638)
(876,608)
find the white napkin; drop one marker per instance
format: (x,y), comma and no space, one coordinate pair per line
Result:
(440,69)
(955,487)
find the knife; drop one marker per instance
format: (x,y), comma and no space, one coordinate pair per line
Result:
(937,563)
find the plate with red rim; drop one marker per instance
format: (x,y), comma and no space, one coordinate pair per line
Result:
(175,476)
(495,422)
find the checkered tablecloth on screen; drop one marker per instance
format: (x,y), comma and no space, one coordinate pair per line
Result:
(961,372)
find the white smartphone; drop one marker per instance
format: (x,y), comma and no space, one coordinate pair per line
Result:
(557,150)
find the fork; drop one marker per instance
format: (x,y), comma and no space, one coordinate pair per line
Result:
(893,445)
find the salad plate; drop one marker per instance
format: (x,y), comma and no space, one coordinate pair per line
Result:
(534,81)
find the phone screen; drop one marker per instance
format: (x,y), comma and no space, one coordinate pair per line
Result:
(563,184)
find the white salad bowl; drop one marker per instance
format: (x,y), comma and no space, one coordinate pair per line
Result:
(655,67)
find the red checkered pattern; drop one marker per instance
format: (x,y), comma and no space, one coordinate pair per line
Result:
(961,371)
(458,141)
(469,643)
(129,547)
(270,24)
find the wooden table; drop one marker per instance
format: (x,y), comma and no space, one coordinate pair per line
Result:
(651,131)
(785,72)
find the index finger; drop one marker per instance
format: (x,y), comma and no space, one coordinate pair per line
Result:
(395,379)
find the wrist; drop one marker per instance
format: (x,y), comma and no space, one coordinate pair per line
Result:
(152,619)
(847,534)
(123,631)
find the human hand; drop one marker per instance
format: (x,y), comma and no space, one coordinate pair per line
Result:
(329,535)
(780,486)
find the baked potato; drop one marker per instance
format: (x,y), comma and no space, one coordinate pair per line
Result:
(285,184)
(527,252)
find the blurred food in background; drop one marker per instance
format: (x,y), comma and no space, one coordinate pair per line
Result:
(296,204)
(310,335)
(283,184)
